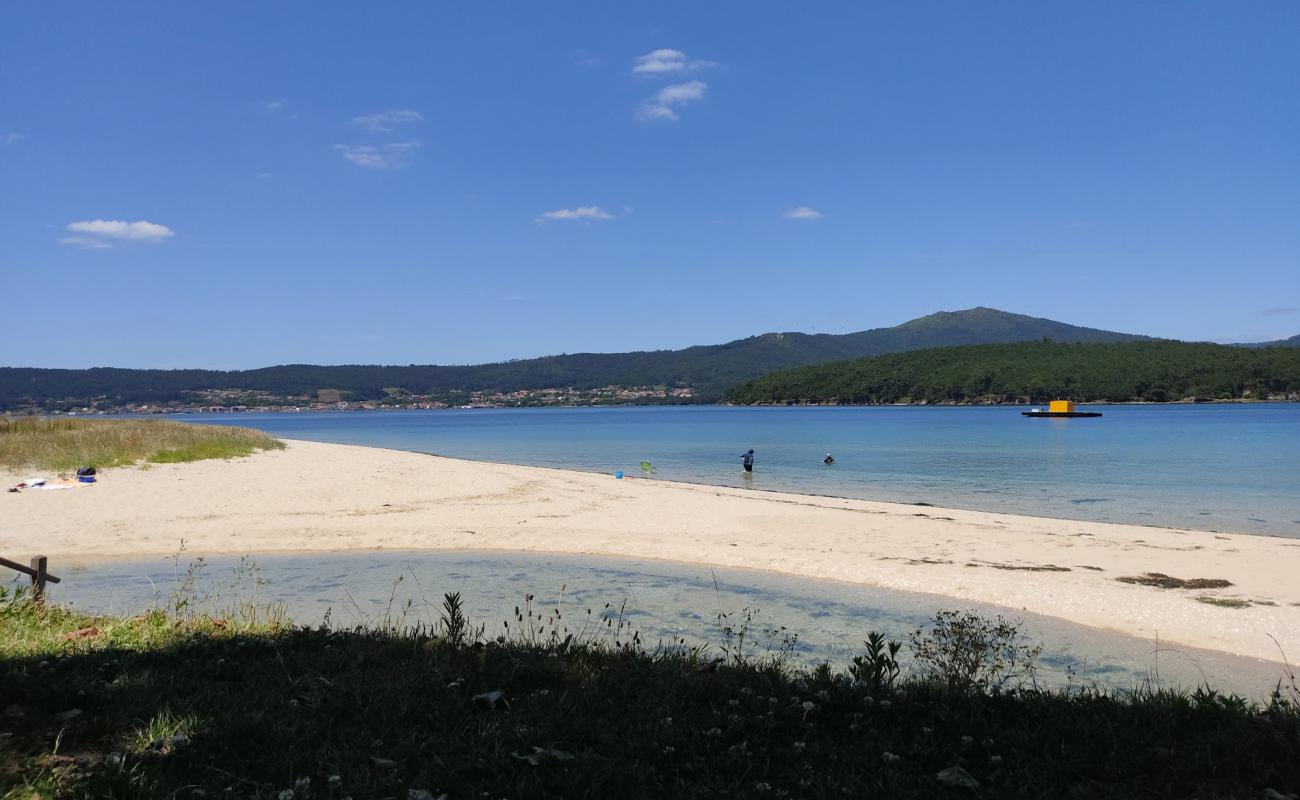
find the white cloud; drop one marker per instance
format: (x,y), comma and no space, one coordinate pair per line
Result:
(274,105)
(139,231)
(661,106)
(664,60)
(385,156)
(386,121)
(580,213)
(11,137)
(86,243)
(802,212)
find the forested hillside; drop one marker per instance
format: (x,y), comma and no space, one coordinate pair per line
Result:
(708,369)
(1037,372)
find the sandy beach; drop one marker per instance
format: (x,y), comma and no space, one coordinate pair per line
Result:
(318,497)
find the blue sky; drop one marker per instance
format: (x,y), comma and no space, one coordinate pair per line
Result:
(235,185)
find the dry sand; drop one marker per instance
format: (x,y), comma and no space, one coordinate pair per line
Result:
(335,497)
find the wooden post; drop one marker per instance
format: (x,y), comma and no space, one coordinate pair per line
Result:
(38,579)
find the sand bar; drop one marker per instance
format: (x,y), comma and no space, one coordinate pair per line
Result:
(316,497)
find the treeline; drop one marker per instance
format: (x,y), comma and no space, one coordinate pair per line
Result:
(1036,372)
(710,370)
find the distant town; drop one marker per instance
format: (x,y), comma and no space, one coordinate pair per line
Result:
(224,401)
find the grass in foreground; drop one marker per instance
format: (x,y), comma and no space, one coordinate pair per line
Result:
(66,444)
(159,706)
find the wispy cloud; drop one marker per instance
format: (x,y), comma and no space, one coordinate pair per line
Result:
(396,155)
(11,137)
(663,105)
(802,212)
(140,230)
(584,59)
(665,60)
(274,105)
(581,213)
(86,243)
(95,234)
(387,121)
(1282,311)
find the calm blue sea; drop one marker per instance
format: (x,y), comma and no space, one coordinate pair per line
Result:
(1210,467)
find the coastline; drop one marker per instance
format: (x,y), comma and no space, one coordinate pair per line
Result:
(127,411)
(327,497)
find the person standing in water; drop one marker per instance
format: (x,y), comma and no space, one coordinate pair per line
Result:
(747,461)
(829,459)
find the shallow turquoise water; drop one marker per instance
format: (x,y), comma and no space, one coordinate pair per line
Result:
(662,601)
(1210,467)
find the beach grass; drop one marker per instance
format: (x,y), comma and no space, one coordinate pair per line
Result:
(66,444)
(196,705)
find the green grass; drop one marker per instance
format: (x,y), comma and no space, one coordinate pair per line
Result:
(66,444)
(160,706)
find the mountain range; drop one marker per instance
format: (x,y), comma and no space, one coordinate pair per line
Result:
(709,370)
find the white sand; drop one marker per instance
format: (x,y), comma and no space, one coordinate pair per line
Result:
(335,497)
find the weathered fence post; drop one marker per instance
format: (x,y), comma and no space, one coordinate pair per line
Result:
(39,573)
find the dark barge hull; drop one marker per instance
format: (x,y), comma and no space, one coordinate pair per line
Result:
(1059,414)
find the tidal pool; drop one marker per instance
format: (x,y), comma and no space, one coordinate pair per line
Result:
(664,602)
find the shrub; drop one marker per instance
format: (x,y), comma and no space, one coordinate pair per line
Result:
(969,653)
(878,667)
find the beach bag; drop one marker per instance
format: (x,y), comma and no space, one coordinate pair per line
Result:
(85,472)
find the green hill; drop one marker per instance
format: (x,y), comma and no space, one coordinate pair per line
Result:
(1037,372)
(1294,341)
(708,369)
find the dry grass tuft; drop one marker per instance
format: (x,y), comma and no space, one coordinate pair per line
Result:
(66,444)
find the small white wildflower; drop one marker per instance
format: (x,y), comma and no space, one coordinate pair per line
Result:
(968,740)
(926,729)
(746,691)
(334,780)
(823,695)
(987,743)
(995,759)
(800,745)
(808,705)
(285,794)
(890,758)
(713,732)
(302,783)
(869,700)
(733,703)
(886,704)
(669,749)
(762,788)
